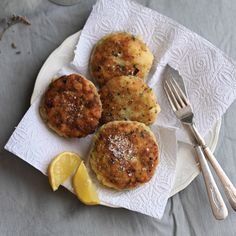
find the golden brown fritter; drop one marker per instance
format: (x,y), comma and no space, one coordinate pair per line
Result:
(128,98)
(71,106)
(120,54)
(124,154)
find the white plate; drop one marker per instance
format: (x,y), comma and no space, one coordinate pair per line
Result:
(187,168)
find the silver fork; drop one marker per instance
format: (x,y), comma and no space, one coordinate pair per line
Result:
(183,110)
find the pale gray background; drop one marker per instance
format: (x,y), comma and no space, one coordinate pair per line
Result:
(27,204)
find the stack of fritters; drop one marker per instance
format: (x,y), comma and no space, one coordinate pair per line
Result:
(125,152)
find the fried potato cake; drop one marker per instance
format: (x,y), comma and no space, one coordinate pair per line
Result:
(119,54)
(128,98)
(124,154)
(71,106)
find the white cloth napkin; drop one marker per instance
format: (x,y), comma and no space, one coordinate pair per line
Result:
(209,75)
(36,144)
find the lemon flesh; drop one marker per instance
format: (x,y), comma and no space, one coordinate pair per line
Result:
(61,167)
(83,186)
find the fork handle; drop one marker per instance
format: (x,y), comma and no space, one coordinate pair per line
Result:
(229,188)
(218,207)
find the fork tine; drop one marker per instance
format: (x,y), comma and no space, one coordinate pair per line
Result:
(172,96)
(184,98)
(178,98)
(169,99)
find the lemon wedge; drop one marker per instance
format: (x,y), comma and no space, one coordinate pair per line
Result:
(61,167)
(83,186)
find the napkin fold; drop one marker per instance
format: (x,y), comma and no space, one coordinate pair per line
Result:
(209,75)
(33,142)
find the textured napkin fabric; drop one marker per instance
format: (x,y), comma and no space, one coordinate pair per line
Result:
(209,75)
(36,144)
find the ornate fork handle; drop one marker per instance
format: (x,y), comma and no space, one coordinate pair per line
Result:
(217,203)
(229,188)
